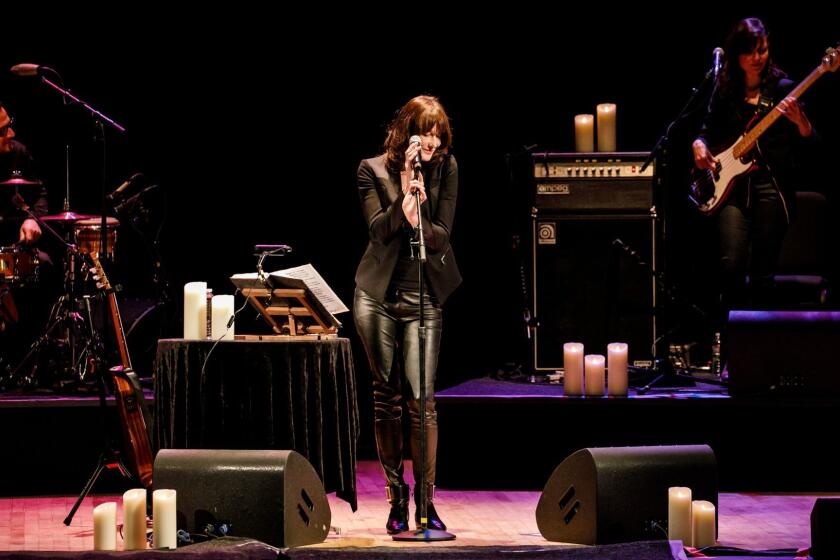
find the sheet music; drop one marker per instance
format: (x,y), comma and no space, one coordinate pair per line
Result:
(316,285)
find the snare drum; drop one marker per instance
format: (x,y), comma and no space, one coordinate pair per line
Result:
(18,264)
(89,239)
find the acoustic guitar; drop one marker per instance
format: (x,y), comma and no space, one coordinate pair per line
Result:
(127,390)
(711,188)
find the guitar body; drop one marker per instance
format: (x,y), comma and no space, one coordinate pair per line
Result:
(135,435)
(710,189)
(127,391)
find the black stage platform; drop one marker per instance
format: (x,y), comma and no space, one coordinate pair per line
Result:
(502,434)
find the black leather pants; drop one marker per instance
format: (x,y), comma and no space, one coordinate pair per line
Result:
(389,332)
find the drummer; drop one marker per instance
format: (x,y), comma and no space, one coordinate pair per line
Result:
(15,161)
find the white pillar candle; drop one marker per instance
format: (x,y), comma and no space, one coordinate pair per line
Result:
(606,127)
(195,310)
(164,519)
(584,133)
(702,524)
(594,375)
(134,519)
(222,310)
(679,514)
(573,369)
(617,369)
(105,526)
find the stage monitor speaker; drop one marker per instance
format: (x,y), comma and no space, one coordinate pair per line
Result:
(272,496)
(593,283)
(825,522)
(604,495)
(786,353)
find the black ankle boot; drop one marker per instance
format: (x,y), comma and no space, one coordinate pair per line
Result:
(398,516)
(433,520)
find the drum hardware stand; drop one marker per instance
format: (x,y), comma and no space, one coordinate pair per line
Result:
(63,314)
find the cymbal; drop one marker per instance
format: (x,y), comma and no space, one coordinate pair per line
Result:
(17,180)
(66,217)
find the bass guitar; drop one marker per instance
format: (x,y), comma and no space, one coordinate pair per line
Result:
(127,390)
(711,188)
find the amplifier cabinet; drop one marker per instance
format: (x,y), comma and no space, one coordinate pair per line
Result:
(593,182)
(589,288)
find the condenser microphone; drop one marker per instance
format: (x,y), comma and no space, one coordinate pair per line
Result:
(26,70)
(717,63)
(415,140)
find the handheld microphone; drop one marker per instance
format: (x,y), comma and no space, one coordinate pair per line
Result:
(415,140)
(717,63)
(27,69)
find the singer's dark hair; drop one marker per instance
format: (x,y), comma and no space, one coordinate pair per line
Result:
(744,38)
(420,115)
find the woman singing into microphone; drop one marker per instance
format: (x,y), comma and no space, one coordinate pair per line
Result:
(386,302)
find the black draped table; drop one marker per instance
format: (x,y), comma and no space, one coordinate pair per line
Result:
(298,395)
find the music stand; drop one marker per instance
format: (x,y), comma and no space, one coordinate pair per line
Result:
(288,305)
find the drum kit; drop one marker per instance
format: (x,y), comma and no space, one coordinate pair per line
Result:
(70,342)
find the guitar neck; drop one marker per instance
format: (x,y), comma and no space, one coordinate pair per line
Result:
(750,138)
(118,327)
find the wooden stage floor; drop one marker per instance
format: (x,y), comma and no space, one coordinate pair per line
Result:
(478,518)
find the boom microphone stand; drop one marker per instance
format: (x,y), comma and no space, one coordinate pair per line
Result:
(422,532)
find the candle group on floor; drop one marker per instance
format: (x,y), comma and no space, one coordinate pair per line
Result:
(584,374)
(690,521)
(164,532)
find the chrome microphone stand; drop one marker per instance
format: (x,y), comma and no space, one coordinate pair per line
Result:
(422,532)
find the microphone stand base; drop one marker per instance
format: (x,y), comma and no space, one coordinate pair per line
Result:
(425,535)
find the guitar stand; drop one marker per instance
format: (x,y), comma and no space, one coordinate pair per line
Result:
(109,458)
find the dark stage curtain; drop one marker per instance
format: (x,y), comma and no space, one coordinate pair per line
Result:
(298,395)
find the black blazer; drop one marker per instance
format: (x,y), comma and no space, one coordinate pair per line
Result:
(381,198)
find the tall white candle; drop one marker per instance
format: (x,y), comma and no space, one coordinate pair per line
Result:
(222,313)
(134,519)
(164,519)
(195,310)
(594,375)
(573,369)
(584,133)
(702,524)
(679,514)
(105,526)
(617,369)
(606,127)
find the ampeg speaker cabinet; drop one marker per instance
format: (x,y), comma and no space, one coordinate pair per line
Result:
(605,495)
(272,496)
(593,282)
(593,182)
(783,353)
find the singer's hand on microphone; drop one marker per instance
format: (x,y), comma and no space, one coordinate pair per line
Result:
(411,155)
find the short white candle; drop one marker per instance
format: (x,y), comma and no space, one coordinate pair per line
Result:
(164,519)
(222,313)
(584,133)
(594,375)
(105,526)
(134,519)
(679,514)
(702,524)
(195,310)
(606,127)
(617,369)
(573,369)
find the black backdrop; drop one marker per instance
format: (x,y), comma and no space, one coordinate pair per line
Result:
(254,123)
